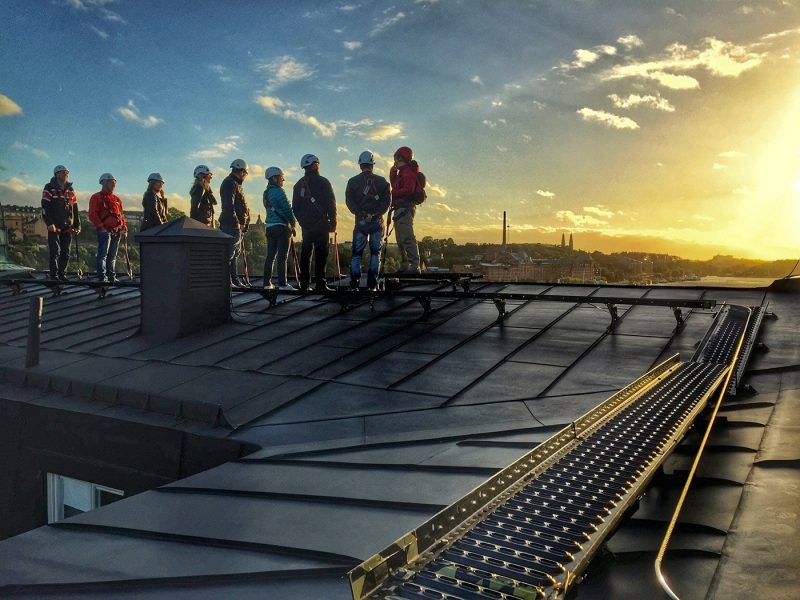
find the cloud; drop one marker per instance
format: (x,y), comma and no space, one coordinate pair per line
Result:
(545,194)
(103,34)
(8,107)
(437,191)
(703,218)
(584,58)
(131,113)
(600,211)
(608,119)
(278,107)
(731,154)
(630,41)
(655,102)
(17,191)
(673,13)
(220,149)
(283,70)
(718,167)
(370,129)
(352,45)
(390,131)
(717,57)
(26,148)
(221,71)
(567,216)
(340,149)
(441,206)
(115,61)
(349,164)
(476,79)
(386,23)
(256,170)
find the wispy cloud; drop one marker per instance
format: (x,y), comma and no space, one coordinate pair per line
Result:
(584,58)
(348,7)
(655,102)
(372,130)
(545,194)
(731,154)
(608,119)
(116,62)
(441,206)
(103,34)
(476,79)
(630,41)
(278,107)
(283,70)
(718,167)
(220,71)
(29,149)
(8,107)
(131,113)
(386,23)
(568,216)
(390,131)
(703,218)
(717,57)
(437,191)
(600,211)
(226,147)
(352,45)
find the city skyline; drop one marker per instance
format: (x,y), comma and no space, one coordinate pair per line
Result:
(669,127)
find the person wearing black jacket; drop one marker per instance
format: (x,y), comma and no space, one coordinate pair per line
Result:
(367,196)
(154,202)
(234,217)
(60,214)
(314,205)
(202,198)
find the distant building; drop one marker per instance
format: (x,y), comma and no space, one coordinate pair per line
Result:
(570,243)
(24,222)
(134,219)
(578,269)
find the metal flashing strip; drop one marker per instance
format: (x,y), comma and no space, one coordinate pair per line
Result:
(365,578)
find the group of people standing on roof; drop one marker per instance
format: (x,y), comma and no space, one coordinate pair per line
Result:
(373,201)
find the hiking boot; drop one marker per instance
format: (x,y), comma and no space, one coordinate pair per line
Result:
(269,286)
(112,279)
(322,287)
(62,277)
(287,287)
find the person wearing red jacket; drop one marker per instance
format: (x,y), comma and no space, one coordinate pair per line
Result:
(403,176)
(108,217)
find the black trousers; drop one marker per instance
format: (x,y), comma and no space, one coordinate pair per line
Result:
(316,240)
(59,242)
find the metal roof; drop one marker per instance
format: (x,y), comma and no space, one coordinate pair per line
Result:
(371,421)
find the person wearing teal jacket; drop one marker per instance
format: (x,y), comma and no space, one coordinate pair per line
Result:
(280,226)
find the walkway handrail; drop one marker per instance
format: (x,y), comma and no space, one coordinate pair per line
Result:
(662,581)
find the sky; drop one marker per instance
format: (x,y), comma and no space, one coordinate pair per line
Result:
(668,127)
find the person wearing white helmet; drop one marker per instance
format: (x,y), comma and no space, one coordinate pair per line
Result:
(234,216)
(368,198)
(108,217)
(154,202)
(314,205)
(280,225)
(202,201)
(60,214)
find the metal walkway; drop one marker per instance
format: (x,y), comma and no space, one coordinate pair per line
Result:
(531,530)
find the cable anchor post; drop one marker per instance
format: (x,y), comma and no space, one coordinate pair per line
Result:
(612,310)
(679,320)
(500,305)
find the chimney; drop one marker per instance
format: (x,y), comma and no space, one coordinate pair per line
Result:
(504,229)
(185,280)
(570,242)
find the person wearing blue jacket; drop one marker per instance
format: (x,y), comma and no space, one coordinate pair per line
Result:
(280,226)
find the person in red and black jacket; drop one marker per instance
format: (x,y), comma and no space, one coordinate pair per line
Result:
(314,205)
(403,176)
(108,217)
(60,214)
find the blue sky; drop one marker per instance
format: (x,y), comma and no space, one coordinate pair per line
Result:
(660,126)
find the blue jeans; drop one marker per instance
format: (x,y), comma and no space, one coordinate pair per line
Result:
(363,233)
(236,234)
(107,246)
(277,246)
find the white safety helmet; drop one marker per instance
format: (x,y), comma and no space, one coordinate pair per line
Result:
(201,170)
(106,177)
(271,172)
(155,177)
(239,165)
(366,158)
(308,160)
(59,168)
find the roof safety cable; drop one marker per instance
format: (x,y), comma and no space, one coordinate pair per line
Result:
(662,580)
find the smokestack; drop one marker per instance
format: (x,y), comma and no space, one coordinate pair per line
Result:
(504,229)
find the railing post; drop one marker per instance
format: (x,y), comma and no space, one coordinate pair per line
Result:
(34,331)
